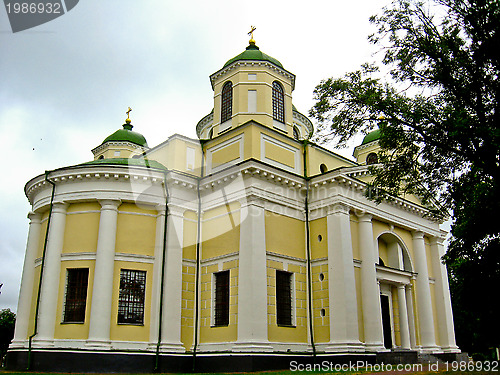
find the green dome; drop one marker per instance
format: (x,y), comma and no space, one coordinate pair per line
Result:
(127,135)
(131,161)
(252,52)
(372,136)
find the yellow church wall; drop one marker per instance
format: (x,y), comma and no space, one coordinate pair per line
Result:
(187,307)
(285,235)
(298,332)
(81,229)
(279,154)
(395,314)
(189,234)
(220,231)
(435,313)
(415,311)
(131,332)
(226,154)
(382,251)
(317,156)
(359,303)
(136,230)
(319,245)
(428,254)
(407,238)
(355,236)
(77,331)
(321,319)
(173,155)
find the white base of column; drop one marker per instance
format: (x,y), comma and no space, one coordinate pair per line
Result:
(345,346)
(98,344)
(375,347)
(430,349)
(18,344)
(172,347)
(249,346)
(451,349)
(42,343)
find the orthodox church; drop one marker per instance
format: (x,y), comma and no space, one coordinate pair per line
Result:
(245,249)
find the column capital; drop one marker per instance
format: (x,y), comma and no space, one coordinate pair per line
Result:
(59,207)
(35,217)
(437,241)
(417,234)
(175,210)
(365,217)
(109,204)
(338,208)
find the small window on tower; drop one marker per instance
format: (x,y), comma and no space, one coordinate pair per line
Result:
(221,299)
(372,158)
(227,102)
(278,102)
(283,298)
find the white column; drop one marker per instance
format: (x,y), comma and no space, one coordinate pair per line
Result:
(370,291)
(172,282)
(50,280)
(100,312)
(252,279)
(27,280)
(344,334)
(156,288)
(411,316)
(404,329)
(443,300)
(424,303)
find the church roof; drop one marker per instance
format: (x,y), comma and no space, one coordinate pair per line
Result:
(253,52)
(127,135)
(372,136)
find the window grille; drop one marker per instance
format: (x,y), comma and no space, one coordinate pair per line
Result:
(221,299)
(76,295)
(131,297)
(227,102)
(283,298)
(278,102)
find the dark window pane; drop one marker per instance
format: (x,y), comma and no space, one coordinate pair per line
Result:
(227,102)
(76,295)
(131,298)
(278,102)
(372,158)
(222,298)
(283,298)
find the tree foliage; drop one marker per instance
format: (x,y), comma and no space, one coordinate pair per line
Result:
(438,114)
(7,323)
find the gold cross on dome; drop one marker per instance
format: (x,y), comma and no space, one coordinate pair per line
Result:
(128,113)
(253,28)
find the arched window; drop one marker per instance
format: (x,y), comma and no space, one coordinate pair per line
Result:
(296,133)
(227,102)
(323,168)
(278,102)
(372,158)
(101,157)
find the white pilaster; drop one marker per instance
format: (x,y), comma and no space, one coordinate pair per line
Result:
(156,287)
(172,283)
(252,279)
(50,280)
(344,334)
(370,292)
(443,300)
(404,329)
(424,303)
(100,312)
(27,280)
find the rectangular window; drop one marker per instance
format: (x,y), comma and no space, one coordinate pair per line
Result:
(131,298)
(283,298)
(221,303)
(76,295)
(252,101)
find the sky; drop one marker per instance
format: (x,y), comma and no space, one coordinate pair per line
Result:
(65,85)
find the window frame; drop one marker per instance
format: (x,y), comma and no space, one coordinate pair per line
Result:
(224,315)
(278,98)
(80,298)
(226,104)
(290,320)
(126,305)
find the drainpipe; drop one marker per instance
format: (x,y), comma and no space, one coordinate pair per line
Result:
(197,275)
(167,196)
(35,328)
(308,250)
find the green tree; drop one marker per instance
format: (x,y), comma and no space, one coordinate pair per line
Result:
(438,114)
(7,323)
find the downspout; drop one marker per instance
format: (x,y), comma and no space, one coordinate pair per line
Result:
(35,328)
(160,316)
(308,251)
(197,274)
